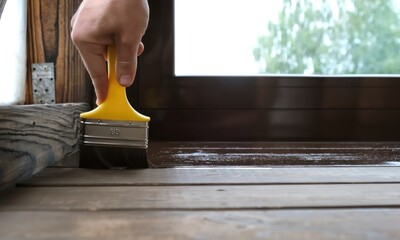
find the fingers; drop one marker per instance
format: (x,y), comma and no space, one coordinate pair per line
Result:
(95,64)
(73,19)
(127,62)
(93,58)
(92,55)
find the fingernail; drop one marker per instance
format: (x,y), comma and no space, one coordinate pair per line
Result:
(125,80)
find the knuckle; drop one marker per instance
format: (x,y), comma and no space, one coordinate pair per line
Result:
(124,65)
(76,37)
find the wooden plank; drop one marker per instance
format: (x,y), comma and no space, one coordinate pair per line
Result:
(171,154)
(202,197)
(336,224)
(249,124)
(49,41)
(213,176)
(33,137)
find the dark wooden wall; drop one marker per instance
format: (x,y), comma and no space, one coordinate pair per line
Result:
(49,41)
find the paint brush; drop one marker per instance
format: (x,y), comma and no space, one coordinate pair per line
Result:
(114,135)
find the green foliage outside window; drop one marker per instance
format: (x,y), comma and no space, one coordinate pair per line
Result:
(332,37)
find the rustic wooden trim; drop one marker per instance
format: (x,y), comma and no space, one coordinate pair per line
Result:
(281,224)
(33,137)
(274,125)
(53,177)
(49,41)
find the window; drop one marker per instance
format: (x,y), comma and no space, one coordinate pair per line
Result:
(207,43)
(13,52)
(271,107)
(233,37)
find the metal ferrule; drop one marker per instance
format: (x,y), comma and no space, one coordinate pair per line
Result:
(114,133)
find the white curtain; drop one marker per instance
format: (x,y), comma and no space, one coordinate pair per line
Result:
(13,52)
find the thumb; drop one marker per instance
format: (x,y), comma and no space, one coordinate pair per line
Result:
(127,62)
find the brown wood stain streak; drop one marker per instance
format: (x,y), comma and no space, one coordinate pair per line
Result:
(49,41)
(35,49)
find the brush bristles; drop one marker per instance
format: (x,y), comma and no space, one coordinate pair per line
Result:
(100,157)
(113,144)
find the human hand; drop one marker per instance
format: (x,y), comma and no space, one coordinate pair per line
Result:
(98,24)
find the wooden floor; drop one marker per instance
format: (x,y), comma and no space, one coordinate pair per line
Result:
(292,202)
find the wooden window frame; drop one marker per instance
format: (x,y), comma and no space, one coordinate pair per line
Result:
(261,108)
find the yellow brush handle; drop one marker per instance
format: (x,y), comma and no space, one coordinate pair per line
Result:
(116,105)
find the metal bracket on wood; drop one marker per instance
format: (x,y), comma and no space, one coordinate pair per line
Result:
(43,83)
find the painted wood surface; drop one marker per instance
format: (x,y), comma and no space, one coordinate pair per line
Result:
(33,137)
(331,224)
(49,41)
(173,154)
(53,177)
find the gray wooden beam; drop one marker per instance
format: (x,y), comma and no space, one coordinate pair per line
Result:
(33,137)
(80,177)
(183,198)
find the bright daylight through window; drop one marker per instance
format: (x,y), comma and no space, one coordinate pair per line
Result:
(311,37)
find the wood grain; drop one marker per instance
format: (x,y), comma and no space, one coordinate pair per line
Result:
(213,176)
(35,136)
(281,224)
(205,203)
(202,197)
(49,41)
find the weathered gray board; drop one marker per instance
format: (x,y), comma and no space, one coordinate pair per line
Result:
(33,137)
(53,177)
(332,224)
(202,197)
(205,203)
